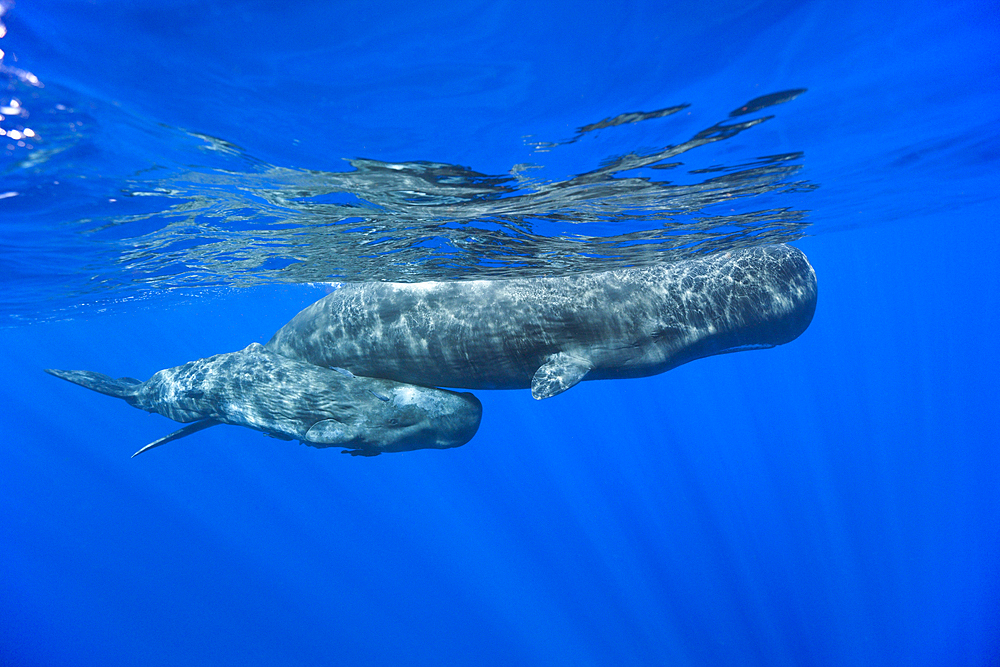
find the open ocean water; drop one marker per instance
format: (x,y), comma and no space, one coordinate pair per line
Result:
(178,179)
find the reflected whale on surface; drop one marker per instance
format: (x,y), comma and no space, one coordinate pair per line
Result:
(293,400)
(550,333)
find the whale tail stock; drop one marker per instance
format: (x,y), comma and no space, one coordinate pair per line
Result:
(125,388)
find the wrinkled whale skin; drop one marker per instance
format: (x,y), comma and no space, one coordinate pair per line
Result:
(550,333)
(290,399)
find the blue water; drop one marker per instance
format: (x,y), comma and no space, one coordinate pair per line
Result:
(189,186)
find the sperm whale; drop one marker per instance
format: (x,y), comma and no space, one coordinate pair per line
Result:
(550,333)
(290,399)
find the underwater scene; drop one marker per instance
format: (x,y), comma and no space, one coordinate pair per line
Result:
(651,333)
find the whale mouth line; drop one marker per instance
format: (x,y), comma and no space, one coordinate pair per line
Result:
(747,347)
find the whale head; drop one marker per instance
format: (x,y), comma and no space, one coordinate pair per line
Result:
(401,417)
(747,299)
(771,298)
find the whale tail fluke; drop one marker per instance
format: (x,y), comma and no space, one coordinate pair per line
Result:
(121,388)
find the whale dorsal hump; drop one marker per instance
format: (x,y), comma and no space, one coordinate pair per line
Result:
(559,372)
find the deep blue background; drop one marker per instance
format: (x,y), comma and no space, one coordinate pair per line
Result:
(835,501)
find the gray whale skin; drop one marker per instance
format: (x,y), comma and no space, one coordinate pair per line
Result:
(550,333)
(290,399)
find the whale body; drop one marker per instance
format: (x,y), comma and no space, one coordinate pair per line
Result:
(550,333)
(289,399)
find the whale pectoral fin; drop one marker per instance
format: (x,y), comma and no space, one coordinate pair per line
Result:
(559,372)
(328,433)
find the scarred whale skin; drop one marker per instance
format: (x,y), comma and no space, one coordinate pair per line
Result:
(550,333)
(294,400)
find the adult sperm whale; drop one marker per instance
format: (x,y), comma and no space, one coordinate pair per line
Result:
(551,333)
(294,400)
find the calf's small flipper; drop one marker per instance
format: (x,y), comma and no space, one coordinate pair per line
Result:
(329,433)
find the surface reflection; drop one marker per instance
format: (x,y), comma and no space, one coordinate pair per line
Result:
(409,221)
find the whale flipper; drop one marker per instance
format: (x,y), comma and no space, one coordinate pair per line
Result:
(559,372)
(329,432)
(99,382)
(179,433)
(360,452)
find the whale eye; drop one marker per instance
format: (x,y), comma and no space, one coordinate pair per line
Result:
(394,422)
